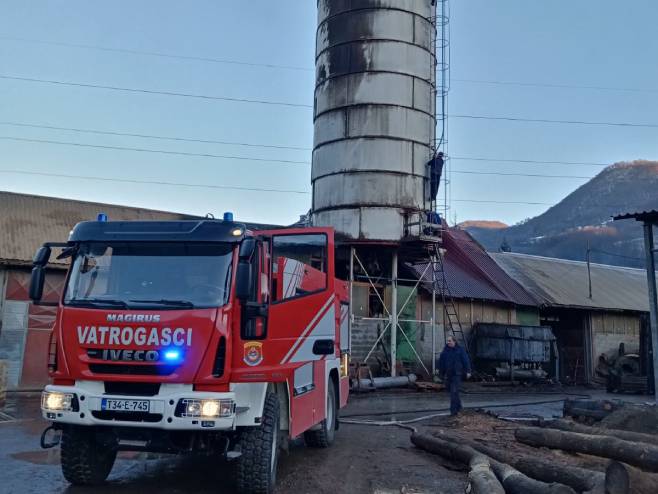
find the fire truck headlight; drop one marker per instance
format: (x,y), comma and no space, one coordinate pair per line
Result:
(56,401)
(209,408)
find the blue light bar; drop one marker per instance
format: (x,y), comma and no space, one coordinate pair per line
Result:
(228,216)
(172,355)
(101,217)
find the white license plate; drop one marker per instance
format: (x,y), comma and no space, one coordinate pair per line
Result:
(125,405)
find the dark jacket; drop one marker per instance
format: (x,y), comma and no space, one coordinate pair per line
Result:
(454,361)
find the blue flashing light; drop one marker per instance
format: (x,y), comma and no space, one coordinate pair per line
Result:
(101,217)
(228,216)
(172,355)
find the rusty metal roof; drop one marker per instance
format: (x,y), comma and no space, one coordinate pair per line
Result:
(27,221)
(472,274)
(563,283)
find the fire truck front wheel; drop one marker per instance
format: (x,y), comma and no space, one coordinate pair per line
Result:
(255,469)
(85,461)
(324,436)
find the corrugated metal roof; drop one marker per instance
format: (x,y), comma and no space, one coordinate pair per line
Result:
(562,283)
(472,274)
(639,215)
(27,221)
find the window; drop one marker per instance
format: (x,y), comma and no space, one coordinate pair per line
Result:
(150,274)
(299,265)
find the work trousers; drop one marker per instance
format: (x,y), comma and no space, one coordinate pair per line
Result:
(454,384)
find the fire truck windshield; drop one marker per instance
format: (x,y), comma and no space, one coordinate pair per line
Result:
(158,275)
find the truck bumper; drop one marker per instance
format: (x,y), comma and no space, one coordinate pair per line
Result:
(87,408)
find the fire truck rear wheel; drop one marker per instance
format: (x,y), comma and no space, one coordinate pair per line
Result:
(84,460)
(255,469)
(324,436)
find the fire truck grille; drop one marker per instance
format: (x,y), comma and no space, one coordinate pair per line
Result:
(127,416)
(220,357)
(134,370)
(131,389)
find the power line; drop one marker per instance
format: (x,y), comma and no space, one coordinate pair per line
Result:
(230,187)
(157,54)
(486,201)
(150,136)
(152,182)
(152,91)
(299,105)
(546,120)
(537,162)
(555,86)
(246,158)
(208,186)
(145,150)
(304,69)
(268,146)
(533,175)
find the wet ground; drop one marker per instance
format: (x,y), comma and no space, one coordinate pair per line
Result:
(364,459)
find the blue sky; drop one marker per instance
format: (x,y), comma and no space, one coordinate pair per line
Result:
(585,43)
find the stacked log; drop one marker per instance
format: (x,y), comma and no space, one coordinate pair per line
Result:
(641,455)
(568,426)
(506,479)
(579,479)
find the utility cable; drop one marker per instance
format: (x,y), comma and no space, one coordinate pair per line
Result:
(565,122)
(555,86)
(504,174)
(151,182)
(131,51)
(148,150)
(152,91)
(149,136)
(300,105)
(157,54)
(533,162)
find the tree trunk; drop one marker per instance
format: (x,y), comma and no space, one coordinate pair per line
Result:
(644,456)
(567,425)
(481,478)
(596,409)
(622,479)
(580,479)
(513,481)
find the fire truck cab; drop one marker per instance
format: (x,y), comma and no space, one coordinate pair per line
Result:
(194,336)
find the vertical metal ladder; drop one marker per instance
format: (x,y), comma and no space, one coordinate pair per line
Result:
(452,322)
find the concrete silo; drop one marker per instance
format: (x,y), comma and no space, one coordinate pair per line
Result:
(374,117)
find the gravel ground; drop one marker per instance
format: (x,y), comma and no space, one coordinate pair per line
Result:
(364,459)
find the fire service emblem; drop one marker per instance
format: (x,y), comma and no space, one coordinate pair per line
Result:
(253,353)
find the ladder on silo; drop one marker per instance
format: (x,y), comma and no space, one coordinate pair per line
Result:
(452,323)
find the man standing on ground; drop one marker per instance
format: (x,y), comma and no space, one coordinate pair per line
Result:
(453,364)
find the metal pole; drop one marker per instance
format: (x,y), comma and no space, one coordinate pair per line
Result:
(350,320)
(589,270)
(653,301)
(433,318)
(394,312)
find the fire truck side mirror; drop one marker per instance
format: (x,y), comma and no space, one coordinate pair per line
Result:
(243,280)
(36,283)
(244,274)
(42,256)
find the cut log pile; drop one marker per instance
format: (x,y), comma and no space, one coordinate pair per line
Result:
(596,460)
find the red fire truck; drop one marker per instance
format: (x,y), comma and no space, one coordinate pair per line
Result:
(194,336)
